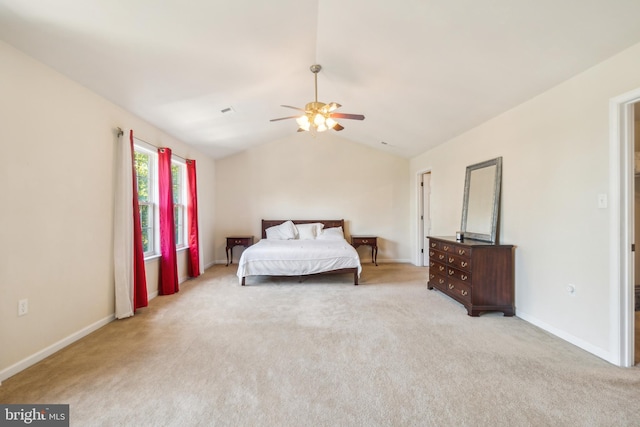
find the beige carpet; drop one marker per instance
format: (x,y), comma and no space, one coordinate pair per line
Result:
(326,353)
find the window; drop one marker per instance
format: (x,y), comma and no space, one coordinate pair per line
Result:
(145,166)
(146,161)
(178,176)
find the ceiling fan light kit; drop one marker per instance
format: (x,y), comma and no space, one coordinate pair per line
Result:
(318,116)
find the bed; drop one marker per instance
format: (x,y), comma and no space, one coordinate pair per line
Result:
(300,248)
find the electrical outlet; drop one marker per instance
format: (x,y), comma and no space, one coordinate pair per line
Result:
(602,201)
(23,307)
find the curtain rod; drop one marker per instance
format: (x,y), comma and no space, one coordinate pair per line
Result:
(121,132)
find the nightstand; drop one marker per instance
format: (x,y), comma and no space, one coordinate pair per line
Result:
(233,241)
(367,241)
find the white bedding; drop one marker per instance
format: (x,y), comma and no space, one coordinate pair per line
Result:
(297,257)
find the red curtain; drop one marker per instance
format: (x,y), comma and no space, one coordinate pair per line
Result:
(192,220)
(140,298)
(168,276)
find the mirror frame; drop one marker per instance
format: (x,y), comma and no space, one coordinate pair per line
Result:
(492,236)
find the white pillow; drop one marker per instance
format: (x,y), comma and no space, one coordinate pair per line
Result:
(285,231)
(309,231)
(334,233)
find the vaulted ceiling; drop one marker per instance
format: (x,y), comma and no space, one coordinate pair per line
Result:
(421,71)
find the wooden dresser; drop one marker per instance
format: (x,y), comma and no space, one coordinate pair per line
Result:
(480,275)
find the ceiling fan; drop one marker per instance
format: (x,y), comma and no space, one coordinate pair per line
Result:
(319,116)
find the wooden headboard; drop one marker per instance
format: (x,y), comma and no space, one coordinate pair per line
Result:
(328,223)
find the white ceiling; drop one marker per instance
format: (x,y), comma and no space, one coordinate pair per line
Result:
(421,71)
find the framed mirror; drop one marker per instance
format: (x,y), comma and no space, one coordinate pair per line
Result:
(481,205)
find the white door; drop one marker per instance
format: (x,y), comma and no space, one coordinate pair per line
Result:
(426,216)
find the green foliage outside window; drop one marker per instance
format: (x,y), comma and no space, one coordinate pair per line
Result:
(142,168)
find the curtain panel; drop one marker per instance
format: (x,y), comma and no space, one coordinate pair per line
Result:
(192,219)
(129,270)
(168,275)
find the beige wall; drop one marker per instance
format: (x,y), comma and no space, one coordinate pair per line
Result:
(555,151)
(56,181)
(326,177)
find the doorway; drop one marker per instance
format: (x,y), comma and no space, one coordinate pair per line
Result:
(623,230)
(424,228)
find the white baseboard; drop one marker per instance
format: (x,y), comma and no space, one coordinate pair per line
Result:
(46,352)
(597,351)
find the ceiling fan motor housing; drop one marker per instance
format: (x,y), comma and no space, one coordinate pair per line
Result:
(314,106)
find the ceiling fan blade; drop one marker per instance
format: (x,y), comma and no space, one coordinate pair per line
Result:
(295,108)
(347,116)
(338,127)
(284,118)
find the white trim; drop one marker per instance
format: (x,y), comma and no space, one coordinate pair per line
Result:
(48,351)
(144,146)
(597,351)
(419,239)
(621,224)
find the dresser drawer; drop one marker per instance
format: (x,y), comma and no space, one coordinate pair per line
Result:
(450,248)
(461,262)
(458,290)
(437,280)
(463,276)
(437,256)
(364,240)
(434,244)
(437,268)
(240,241)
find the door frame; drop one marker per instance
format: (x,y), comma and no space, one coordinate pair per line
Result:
(621,186)
(420,225)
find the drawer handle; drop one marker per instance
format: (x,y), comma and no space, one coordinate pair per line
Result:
(431,264)
(446,248)
(431,253)
(464,263)
(431,276)
(440,256)
(441,281)
(433,245)
(451,286)
(461,251)
(365,241)
(451,272)
(441,267)
(451,259)
(463,277)
(463,292)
